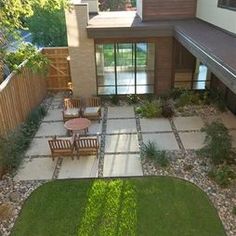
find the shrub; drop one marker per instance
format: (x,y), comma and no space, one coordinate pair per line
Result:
(115,100)
(167,109)
(13,146)
(188,98)
(217,143)
(150,109)
(133,99)
(175,93)
(216,97)
(234,210)
(151,151)
(222,175)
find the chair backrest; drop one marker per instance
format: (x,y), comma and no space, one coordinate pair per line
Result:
(60,144)
(87,142)
(93,102)
(71,103)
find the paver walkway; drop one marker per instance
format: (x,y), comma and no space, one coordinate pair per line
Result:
(122,133)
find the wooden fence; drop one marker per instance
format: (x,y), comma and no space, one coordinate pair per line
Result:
(23,91)
(19,94)
(59,72)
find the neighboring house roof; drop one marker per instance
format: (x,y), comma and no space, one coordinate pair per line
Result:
(215,47)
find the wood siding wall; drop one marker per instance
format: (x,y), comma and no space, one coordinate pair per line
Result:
(168,9)
(164,57)
(19,94)
(59,71)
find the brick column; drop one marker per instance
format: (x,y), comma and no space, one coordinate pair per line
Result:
(81,51)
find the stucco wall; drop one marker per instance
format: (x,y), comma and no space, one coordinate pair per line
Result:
(207,10)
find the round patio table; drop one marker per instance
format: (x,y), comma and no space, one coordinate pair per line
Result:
(77,124)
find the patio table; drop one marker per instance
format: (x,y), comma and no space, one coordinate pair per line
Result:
(77,124)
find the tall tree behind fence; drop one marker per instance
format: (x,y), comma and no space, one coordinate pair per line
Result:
(19,94)
(59,72)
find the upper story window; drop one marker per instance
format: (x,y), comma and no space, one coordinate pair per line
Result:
(229,4)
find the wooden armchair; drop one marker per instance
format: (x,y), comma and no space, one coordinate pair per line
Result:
(87,145)
(62,147)
(92,108)
(71,108)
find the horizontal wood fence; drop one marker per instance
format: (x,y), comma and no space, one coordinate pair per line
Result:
(19,94)
(59,72)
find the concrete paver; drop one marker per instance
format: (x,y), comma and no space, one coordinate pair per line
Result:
(121,112)
(51,129)
(95,128)
(188,123)
(192,140)
(36,169)
(54,115)
(155,125)
(122,165)
(38,147)
(164,141)
(121,126)
(121,143)
(84,167)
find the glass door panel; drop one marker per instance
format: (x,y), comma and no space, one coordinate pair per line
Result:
(125,68)
(105,62)
(145,54)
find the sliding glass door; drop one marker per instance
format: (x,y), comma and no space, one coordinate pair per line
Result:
(125,68)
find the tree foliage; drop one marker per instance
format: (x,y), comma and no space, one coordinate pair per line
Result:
(13,17)
(48,27)
(112,5)
(37,62)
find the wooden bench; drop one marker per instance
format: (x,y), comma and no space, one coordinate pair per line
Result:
(87,145)
(71,108)
(61,147)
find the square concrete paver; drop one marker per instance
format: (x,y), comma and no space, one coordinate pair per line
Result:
(192,140)
(155,125)
(229,120)
(121,126)
(54,115)
(36,169)
(39,147)
(233,135)
(188,123)
(164,141)
(51,129)
(121,143)
(121,112)
(122,165)
(95,127)
(84,167)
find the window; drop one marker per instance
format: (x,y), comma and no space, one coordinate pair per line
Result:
(125,68)
(229,4)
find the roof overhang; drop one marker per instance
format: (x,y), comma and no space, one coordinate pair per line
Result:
(214,47)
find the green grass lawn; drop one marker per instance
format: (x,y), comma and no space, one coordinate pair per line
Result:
(162,206)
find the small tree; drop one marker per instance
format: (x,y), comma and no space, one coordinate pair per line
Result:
(218,142)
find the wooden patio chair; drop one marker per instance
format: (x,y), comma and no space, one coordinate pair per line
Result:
(71,108)
(92,108)
(87,145)
(62,147)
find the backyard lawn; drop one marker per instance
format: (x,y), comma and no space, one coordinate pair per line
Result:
(162,206)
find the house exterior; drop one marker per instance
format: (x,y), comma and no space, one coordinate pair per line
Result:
(165,44)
